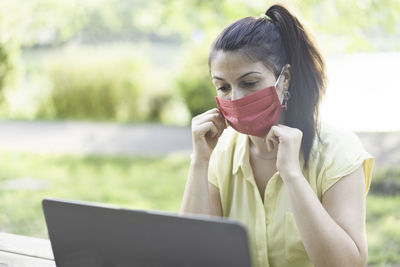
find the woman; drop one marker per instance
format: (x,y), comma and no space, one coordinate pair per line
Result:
(298,187)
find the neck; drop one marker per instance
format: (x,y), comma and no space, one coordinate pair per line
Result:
(258,147)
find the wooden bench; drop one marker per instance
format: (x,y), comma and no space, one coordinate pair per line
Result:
(24,251)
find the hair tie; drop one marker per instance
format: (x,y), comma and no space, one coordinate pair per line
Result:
(265,16)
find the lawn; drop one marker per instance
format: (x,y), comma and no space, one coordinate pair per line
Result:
(144,183)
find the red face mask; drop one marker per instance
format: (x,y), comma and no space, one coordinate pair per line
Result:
(253,114)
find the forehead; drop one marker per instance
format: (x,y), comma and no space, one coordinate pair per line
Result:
(227,64)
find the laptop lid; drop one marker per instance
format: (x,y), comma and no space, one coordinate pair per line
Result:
(86,234)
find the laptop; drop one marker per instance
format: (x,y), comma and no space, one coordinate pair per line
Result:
(84,234)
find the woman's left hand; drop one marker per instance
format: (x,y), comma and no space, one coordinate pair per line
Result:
(288,142)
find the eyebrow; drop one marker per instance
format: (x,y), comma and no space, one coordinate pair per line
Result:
(244,75)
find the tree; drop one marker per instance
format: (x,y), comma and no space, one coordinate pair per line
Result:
(22,21)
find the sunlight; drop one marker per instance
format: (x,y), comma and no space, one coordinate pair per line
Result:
(363,92)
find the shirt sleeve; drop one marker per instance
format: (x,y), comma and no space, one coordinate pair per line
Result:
(212,169)
(344,154)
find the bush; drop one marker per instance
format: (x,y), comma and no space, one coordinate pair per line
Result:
(386,181)
(120,82)
(383,230)
(92,84)
(8,55)
(194,82)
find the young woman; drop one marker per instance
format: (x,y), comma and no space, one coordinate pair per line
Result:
(299,187)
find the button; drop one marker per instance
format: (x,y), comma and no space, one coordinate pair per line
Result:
(269,195)
(267,221)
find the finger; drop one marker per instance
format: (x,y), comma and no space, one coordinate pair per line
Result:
(272,143)
(271,139)
(283,126)
(271,133)
(205,117)
(211,111)
(211,118)
(270,146)
(207,127)
(289,131)
(280,130)
(281,133)
(200,116)
(216,118)
(221,122)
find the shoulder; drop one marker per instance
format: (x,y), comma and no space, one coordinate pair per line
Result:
(338,153)
(338,145)
(332,137)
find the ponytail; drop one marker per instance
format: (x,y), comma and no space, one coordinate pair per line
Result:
(278,39)
(307,82)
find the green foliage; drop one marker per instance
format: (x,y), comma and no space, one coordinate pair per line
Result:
(21,23)
(9,43)
(340,25)
(142,183)
(194,82)
(6,66)
(353,26)
(94,83)
(383,230)
(104,82)
(386,181)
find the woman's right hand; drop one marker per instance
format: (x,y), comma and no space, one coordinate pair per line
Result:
(206,129)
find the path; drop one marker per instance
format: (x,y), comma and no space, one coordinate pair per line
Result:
(139,139)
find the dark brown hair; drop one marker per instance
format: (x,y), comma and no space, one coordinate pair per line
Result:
(277,40)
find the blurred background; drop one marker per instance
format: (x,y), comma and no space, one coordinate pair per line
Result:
(96,98)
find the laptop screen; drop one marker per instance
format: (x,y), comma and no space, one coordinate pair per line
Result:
(88,234)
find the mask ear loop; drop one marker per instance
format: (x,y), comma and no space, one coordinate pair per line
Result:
(285,93)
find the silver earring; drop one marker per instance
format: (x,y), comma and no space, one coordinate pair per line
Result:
(286,96)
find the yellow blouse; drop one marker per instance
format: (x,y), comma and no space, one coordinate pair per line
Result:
(273,235)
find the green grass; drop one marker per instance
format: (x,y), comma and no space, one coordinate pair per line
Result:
(143,183)
(383,230)
(147,183)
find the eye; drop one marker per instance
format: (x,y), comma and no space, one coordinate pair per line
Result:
(223,88)
(249,84)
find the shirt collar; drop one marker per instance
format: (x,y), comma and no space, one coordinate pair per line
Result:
(241,153)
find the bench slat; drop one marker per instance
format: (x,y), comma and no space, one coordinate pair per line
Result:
(24,245)
(17,260)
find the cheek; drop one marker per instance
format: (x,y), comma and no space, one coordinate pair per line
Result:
(224,95)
